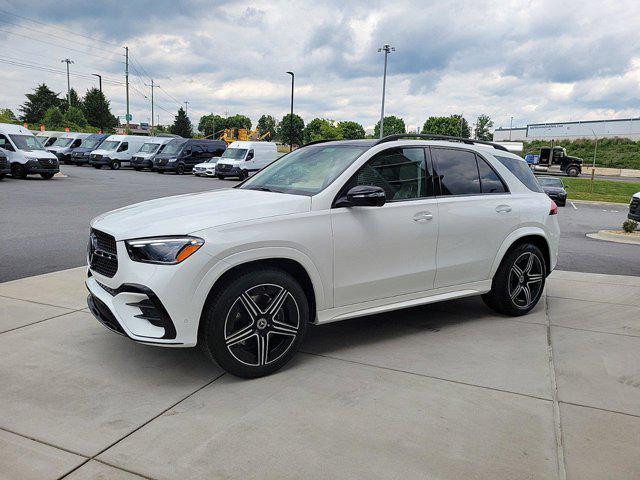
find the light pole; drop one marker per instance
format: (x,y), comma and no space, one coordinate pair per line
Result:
(99,80)
(293,77)
(67,61)
(386,49)
(510,127)
(153,85)
(186,104)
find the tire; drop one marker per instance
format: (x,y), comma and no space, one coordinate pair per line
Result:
(18,171)
(160,171)
(47,176)
(240,333)
(137,169)
(115,165)
(219,177)
(98,167)
(519,281)
(2,175)
(243,175)
(180,169)
(573,171)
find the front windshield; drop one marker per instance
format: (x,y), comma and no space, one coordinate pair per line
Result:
(234,153)
(306,171)
(148,148)
(173,147)
(90,143)
(550,182)
(110,145)
(26,142)
(62,142)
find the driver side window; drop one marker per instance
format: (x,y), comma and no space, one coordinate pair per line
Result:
(401,172)
(123,146)
(4,143)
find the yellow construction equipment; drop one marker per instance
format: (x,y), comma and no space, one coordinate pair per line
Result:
(230,135)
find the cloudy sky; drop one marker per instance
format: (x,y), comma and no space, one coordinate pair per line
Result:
(534,60)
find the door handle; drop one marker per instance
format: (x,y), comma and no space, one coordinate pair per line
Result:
(422,216)
(503,208)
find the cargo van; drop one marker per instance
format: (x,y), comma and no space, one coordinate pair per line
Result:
(243,158)
(80,155)
(25,153)
(5,169)
(152,147)
(116,151)
(65,143)
(47,137)
(181,154)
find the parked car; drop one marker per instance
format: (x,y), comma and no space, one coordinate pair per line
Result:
(48,137)
(243,158)
(207,168)
(116,151)
(634,207)
(153,146)
(25,153)
(331,231)
(5,169)
(65,144)
(555,188)
(181,154)
(80,155)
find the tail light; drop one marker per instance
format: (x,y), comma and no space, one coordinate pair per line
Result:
(554,208)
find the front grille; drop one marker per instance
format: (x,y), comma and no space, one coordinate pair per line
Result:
(103,255)
(46,162)
(223,167)
(4,163)
(161,161)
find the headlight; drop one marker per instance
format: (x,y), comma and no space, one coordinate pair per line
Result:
(163,250)
(171,160)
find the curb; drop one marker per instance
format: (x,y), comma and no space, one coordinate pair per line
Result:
(596,202)
(609,236)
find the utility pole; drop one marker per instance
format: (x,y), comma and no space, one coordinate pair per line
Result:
(386,49)
(67,61)
(186,104)
(293,77)
(152,87)
(126,78)
(510,127)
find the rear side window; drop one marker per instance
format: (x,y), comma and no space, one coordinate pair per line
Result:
(521,170)
(490,182)
(457,171)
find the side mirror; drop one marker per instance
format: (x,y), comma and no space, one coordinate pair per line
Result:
(365,196)
(188,152)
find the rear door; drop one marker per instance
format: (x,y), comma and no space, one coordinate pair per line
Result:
(476,213)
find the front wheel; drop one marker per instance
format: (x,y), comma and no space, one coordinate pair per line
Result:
(97,167)
(255,323)
(18,171)
(519,281)
(115,165)
(573,171)
(180,169)
(47,176)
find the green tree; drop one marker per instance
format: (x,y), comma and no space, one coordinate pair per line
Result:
(53,119)
(182,125)
(453,125)
(74,118)
(392,125)
(97,110)
(38,102)
(76,101)
(267,123)
(290,132)
(238,121)
(321,129)
(209,124)
(351,130)
(483,126)
(7,116)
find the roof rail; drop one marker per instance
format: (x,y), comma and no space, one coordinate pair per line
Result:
(320,141)
(428,136)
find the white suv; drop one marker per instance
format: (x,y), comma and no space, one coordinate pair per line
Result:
(332,231)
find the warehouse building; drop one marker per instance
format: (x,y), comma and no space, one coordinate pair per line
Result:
(620,128)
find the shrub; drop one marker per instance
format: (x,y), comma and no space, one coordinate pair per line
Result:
(629,226)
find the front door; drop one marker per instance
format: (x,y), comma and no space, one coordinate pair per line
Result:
(382,252)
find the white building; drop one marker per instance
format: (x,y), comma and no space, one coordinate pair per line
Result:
(621,128)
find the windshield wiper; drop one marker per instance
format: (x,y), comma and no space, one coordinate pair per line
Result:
(263,189)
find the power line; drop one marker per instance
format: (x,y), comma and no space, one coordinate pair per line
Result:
(40,67)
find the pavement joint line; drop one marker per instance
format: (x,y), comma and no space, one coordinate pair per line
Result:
(40,321)
(596,301)
(423,375)
(44,442)
(557,423)
(132,472)
(139,427)
(600,409)
(595,331)
(33,301)
(597,283)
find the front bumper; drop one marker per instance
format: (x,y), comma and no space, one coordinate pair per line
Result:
(137,162)
(169,167)
(100,161)
(232,171)
(80,159)
(35,167)
(209,172)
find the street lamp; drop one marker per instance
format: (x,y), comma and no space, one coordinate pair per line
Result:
(386,49)
(510,127)
(291,116)
(99,79)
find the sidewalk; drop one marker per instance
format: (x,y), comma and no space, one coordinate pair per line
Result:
(445,391)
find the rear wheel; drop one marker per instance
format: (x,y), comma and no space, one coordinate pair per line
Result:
(137,169)
(255,323)
(18,171)
(518,283)
(47,176)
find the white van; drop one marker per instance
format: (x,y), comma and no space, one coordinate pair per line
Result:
(47,137)
(25,153)
(65,143)
(116,151)
(151,147)
(242,158)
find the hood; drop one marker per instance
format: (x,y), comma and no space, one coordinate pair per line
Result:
(206,165)
(144,155)
(83,150)
(35,154)
(57,148)
(102,152)
(575,159)
(230,161)
(636,195)
(185,214)
(553,189)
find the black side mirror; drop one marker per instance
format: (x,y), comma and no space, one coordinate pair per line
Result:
(365,196)
(188,152)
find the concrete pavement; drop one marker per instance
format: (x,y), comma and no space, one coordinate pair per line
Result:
(449,390)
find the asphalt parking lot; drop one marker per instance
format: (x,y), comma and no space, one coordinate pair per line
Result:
(59,212)
(446,391)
